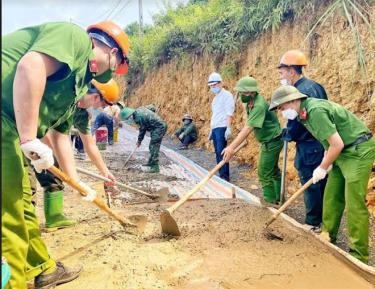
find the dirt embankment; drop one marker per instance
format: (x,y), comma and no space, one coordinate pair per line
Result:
(180,87)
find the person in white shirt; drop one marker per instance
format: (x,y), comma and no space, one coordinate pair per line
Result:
(108,117)
(222,113)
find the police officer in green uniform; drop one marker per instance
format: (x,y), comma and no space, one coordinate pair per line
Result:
(46,70)
(147,120)
(350,152)
(267,131)
(188,133)
(53,186)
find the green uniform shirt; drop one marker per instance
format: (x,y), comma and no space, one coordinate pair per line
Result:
(188,129)
(324,118)
(265,123)
(66,42)
(80,120)
(147,121)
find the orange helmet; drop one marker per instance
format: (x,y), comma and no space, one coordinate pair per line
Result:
(293,57)
(110,90)
(119,37)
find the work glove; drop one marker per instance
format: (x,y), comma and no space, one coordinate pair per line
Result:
(320,173)
(210,135)
(370,203)
(181,136)
(228,133)
(91,193)
(41,155)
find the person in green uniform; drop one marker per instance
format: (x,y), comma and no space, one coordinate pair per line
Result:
(267,131)
(53,186)
(188,133)
(349,154)
(147,120)
(46,70)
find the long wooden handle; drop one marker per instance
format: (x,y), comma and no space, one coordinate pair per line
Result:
(97,201)
(289,202)
(202,182)
(99,177)
(129,157)
(283,173)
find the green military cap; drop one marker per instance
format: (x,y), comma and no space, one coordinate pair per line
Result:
(247,84)
(285,94)
(126,112)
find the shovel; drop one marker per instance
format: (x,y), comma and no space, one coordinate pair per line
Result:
(138,222)
(161,195)
(129,157)
(168,223)
(288,202)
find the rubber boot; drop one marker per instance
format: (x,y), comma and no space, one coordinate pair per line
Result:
(61,275)
(53,211)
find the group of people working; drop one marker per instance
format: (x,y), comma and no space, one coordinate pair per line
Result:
(54,72)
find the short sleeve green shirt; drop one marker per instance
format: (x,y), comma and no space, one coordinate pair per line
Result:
(265,124)
(66,42)
(80,120)
(325,118)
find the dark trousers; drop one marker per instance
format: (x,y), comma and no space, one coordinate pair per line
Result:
(104,119)
(78,144)
(220,143)
(188,139)
(308,157)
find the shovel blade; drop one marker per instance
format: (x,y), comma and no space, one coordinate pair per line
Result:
(137,222)
(168,224)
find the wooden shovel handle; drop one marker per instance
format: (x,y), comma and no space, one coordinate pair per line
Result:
(97,201)
(129,157)
(99,177)
(289,201)
(202,182)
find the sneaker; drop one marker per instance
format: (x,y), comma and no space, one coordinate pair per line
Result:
(81,156)
(183,147)
(111,142)
(61,275)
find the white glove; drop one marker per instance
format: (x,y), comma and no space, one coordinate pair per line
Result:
(40,151)
(181,136)
(319,174)
(91,194)
(228,133)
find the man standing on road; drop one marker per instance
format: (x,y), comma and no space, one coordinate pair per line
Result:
(267,131)
(349,151)
(149,121)
(221,120)
(46,70)
(309,152)
(187,134)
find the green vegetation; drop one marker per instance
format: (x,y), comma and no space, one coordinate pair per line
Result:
(219,27)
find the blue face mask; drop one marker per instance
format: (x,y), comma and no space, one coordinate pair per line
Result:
(215,90)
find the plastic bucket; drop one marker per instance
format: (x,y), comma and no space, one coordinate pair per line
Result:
(115,135)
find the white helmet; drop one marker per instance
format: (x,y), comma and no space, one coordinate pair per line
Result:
(214,78)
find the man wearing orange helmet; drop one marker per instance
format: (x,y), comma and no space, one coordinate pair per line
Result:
(309,152)
(46,70)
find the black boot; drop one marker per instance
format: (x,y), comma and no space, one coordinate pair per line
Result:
(61,275)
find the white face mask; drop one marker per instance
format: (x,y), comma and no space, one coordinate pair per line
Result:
(284,82)
(289,113)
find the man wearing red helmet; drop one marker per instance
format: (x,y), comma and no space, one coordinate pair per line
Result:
(46,70)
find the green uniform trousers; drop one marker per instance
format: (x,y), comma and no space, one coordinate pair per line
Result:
(268,170)
(20,237)
(347,188)
(154,146)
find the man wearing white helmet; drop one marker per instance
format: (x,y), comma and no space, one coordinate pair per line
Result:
(222,113)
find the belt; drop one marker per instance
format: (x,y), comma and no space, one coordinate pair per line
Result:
(363,138)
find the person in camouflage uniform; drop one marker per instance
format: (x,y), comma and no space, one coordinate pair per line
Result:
(148,120)
(187,134)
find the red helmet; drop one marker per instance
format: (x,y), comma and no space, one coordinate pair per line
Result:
(119,37)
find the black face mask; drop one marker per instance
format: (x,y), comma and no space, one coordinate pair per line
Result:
(245,98)
(105,77)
